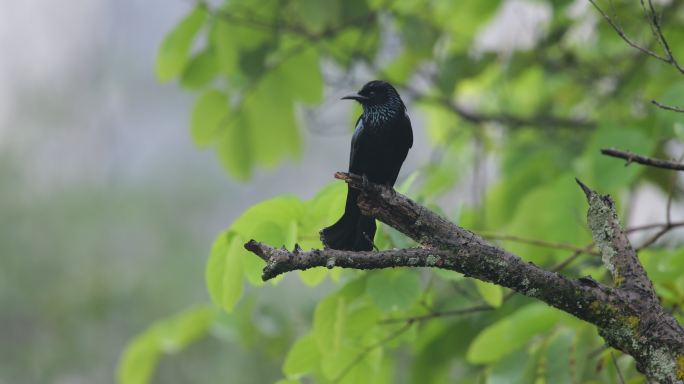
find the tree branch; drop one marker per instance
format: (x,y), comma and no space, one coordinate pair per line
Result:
(650,161)
(667,107)
(279,261)
(629,316)
(616,251)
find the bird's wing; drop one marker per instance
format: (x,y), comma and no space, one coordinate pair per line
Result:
(355,155)
(408,129)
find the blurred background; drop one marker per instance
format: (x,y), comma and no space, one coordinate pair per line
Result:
(108,209)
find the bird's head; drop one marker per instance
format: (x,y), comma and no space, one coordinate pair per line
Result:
(378,94)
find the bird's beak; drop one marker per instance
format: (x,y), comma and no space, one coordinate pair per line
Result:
(356,96)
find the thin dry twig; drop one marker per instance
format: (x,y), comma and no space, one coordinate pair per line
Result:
(645,160)
(432,315)
(617,368)
(540,243)
(656,27)
(667,107)
(614,24)
(668,214)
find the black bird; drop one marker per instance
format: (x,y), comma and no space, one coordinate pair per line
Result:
(379,145)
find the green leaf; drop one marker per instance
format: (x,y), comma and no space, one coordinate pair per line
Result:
(394,290)
(139,358)
(227,48)
(234,148)
(418,35)
(267,232)
(281,211)
(511,333)
(363,371)
(270,120)
(400,70)
(200,71)
(330,315)
(321,211)
(209,112)
(303,357)
(273,222)
(288,381)
(173,54)
(663,265)
(405,185)
(224,274)
(316,15)
(560,360)
(528,163)
(300,77)
(543,213)
(510,369)
(491,293)
(448,274)
(314,276)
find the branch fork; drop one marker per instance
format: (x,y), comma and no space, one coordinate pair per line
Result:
(628,314)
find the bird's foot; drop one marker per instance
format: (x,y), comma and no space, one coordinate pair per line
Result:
(370,241)
(364,181)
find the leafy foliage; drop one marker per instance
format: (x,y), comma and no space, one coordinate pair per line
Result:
(541,113)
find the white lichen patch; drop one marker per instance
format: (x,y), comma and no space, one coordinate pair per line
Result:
(663,366)
(601,219)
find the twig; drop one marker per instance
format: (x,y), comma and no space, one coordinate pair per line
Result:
(668,107)
(645,227)
(624,36)
(654,238)
(560,266)
(633,157)
(668,215)
(540,243)
(617,368)
(432,315)
(655,22)
(504,118)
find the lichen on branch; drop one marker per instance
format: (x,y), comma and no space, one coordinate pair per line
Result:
(628,316)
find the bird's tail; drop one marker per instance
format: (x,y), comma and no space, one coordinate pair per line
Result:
(353,231)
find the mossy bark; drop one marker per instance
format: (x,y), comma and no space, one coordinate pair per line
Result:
(628,316)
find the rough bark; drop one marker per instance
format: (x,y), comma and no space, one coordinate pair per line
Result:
(628,316)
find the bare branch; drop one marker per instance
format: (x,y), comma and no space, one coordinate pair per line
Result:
(633,157)
(446,245)
(667,107)
(504,118)
(616,251)
(280,261)
(629,317)
(655,23)
(624,36)
(645,227)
